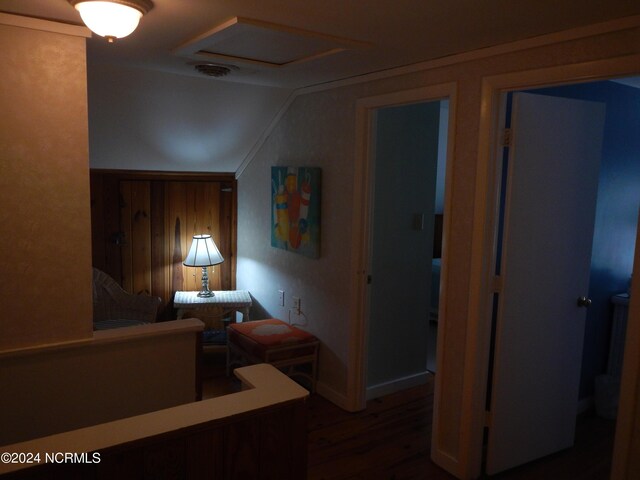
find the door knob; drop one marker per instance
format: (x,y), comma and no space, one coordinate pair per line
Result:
(584,302)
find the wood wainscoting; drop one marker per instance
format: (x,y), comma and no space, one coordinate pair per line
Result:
(142,224)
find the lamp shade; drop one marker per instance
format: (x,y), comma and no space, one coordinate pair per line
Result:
(112,18)
(203,252)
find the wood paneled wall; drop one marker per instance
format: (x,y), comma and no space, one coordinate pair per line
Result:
(143,222)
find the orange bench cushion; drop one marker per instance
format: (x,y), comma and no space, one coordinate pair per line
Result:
(260,337)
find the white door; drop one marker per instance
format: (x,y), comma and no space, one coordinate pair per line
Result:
(550,204)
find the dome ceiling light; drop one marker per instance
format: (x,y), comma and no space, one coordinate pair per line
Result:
(112,19)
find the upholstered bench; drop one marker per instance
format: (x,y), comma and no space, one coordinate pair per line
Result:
(273,341)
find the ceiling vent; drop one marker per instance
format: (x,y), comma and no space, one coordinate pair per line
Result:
(213,69)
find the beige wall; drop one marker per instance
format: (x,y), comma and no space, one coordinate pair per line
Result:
(318,130)
(55,375)
(119,373)
(45,261)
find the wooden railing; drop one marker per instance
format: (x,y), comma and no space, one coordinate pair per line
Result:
(258,433)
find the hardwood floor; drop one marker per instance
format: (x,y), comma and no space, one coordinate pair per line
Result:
(588,459)
(391,440)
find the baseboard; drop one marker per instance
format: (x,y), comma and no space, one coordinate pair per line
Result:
(332,395)
(396,385)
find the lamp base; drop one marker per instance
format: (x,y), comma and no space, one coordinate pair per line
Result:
(205,292)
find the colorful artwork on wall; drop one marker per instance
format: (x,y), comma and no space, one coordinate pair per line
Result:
(295,209)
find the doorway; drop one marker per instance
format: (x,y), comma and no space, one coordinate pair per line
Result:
(363,227)
(405,263)
(613,238)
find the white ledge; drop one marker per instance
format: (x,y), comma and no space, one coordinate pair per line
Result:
(268,387)
(44,25)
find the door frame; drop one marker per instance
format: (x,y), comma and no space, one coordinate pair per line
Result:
(362,223)
(484,252)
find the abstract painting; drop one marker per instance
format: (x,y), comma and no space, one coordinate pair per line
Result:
(295,209)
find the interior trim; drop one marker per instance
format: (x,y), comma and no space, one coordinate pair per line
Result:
(265,134)
(361,234)
(44,25)
(213,44)
(592,30)
(539,41)
(164,175)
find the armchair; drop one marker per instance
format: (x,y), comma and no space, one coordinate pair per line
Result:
(111,302)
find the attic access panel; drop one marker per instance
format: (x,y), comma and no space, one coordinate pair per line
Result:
(243,40)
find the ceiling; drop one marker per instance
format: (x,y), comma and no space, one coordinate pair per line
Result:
(149,109)
(297,43)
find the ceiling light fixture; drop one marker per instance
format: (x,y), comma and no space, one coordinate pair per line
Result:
(112,18)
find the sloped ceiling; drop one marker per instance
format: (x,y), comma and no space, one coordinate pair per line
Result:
(287,44)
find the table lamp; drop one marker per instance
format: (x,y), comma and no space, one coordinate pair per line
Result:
(203,253)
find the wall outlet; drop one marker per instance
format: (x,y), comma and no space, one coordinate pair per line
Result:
(296,305)
(281,297)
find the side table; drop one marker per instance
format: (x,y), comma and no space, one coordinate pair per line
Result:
(228,300)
